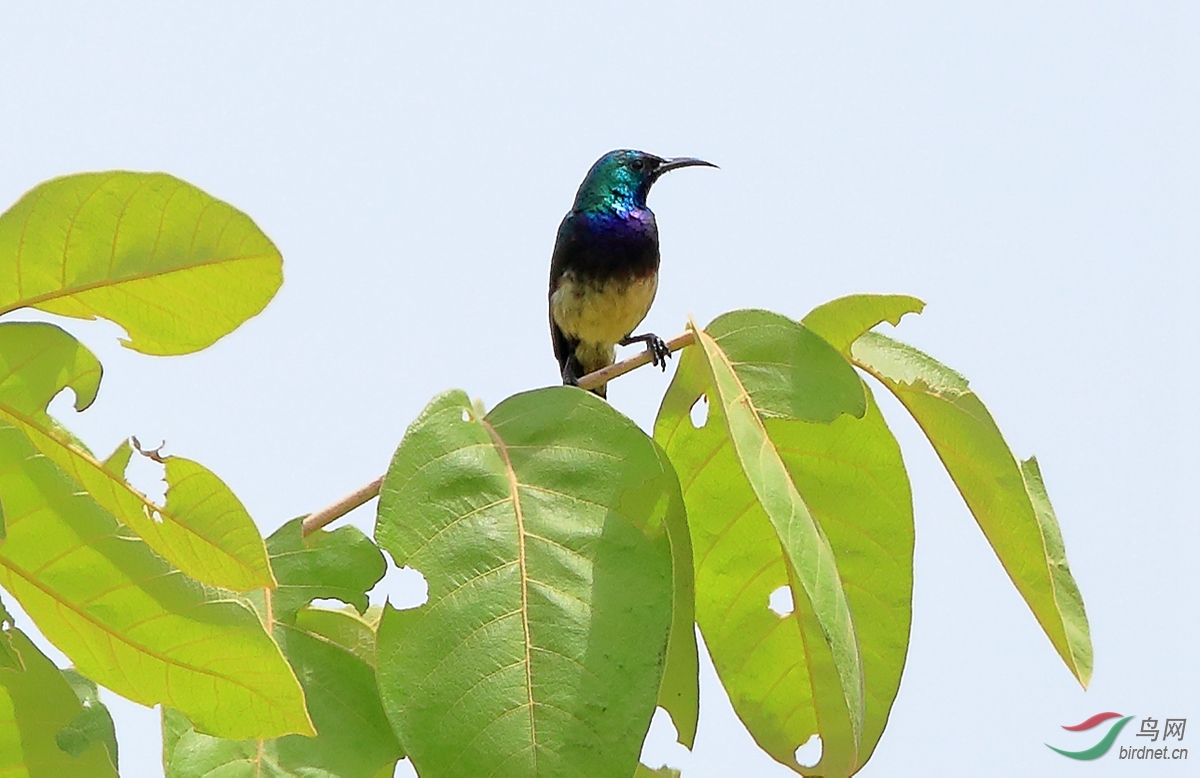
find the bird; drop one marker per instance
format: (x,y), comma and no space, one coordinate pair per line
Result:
(604,269)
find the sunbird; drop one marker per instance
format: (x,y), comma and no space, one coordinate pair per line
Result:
(604,271)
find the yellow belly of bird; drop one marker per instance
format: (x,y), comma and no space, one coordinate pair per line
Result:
(599,315)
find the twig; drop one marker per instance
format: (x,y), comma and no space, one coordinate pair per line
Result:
(315,521)
(606,374)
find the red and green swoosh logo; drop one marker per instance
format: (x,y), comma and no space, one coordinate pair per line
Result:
(1101,748)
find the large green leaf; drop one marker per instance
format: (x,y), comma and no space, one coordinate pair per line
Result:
(540,531)
(126,618)
(203,528)
(353,737)
(175,267)
(970,445)
(36,706)
(779,670)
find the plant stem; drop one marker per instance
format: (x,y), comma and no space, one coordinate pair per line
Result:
(315,521)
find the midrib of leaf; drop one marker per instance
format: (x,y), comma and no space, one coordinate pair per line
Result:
(269,623)
(514,488)
(79,456)
(107,282)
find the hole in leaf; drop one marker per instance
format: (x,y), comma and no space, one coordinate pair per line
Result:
(699,412)
(466,416)
(404,769)
(809,754)
(781,601)
(329,603)
(661,746)
(62,405)
(149,478)
(403,587)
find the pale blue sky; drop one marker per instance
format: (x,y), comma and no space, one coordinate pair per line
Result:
(1030,170)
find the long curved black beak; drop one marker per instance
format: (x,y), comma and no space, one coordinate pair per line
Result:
(677,162)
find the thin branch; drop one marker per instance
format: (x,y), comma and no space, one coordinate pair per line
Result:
(316,521)
(606,374)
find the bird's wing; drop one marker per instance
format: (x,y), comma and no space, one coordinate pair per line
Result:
(564,348)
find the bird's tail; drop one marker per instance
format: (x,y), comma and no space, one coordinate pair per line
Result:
(588,358)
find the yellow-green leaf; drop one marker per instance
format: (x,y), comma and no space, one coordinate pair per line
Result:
(841,321)
(776,666)
(203,529)
(174,266)
(964,435)
(126,618)
(806,548)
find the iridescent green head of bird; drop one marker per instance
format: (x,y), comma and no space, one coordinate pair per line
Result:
(621,179)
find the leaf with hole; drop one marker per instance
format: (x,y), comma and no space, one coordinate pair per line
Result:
(203,529)
(126,618)
(540,530)
(172,265)
(846,474)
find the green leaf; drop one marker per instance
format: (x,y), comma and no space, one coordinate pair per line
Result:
(331,652)
(35,706)
(789,370)
(93,724)
(126,618)
(983,468)
(1066,592)
(354,739)
(779,670)
(663,772)
(540,531)
(10,658)
(679,694)
(343,564)
(175,267)
(342,627)
(841,321)
(203,528)
(806,549)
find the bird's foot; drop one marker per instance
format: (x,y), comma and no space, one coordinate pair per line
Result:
(658,348)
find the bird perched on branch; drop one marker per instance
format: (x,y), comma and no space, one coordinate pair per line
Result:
(604,272)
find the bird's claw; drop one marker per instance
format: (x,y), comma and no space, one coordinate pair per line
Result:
(659,351)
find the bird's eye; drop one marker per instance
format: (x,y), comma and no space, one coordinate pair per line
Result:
(637,164)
